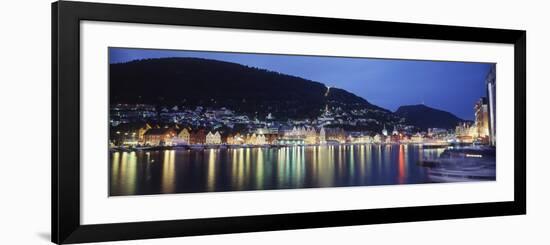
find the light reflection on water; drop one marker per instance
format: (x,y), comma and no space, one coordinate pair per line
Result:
(183,171)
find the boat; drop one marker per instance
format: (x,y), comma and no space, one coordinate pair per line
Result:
(462,164)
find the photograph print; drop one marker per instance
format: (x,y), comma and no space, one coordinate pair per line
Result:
(184,121)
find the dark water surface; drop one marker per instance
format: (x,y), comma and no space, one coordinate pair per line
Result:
(184,171)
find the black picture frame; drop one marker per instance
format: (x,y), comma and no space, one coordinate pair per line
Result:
(66,18)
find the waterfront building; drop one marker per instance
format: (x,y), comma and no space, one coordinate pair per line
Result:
(129,133)
(482,119)
(490,82)
(198,136)
(183,137)
(217,139)
(417,138)
(260,140)
(311,136)
(230,140)
(269,134)
(378,138)
(159,136)
(213,138)
(360,139)
(335,135)
(395,138)
(308,135)
(236,139)
(466,132)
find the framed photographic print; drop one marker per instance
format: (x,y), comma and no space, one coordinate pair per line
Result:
(176,122)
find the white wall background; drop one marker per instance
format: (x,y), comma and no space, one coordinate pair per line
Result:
(25,121)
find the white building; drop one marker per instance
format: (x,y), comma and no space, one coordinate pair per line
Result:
(213,139)
(385,131)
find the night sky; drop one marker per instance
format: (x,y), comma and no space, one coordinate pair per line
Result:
(449,86)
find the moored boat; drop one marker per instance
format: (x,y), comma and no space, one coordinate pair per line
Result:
(462,164)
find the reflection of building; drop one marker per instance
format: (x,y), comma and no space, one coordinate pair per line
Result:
(159,136)
(490,81)
(482,119)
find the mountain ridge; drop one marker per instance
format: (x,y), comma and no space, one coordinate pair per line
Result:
(425,117)
(254,91)
(237,85)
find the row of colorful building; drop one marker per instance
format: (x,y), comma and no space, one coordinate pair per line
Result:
(148,134)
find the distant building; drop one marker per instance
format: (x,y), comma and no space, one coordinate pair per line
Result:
(131,113)
(198,136)
(395,132)
(183,137)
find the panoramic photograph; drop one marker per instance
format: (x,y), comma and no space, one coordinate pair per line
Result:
(184,121)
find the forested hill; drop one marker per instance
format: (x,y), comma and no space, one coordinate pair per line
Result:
(425,117)
(195,81)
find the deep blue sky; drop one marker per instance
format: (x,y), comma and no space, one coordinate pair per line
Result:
(449,86)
